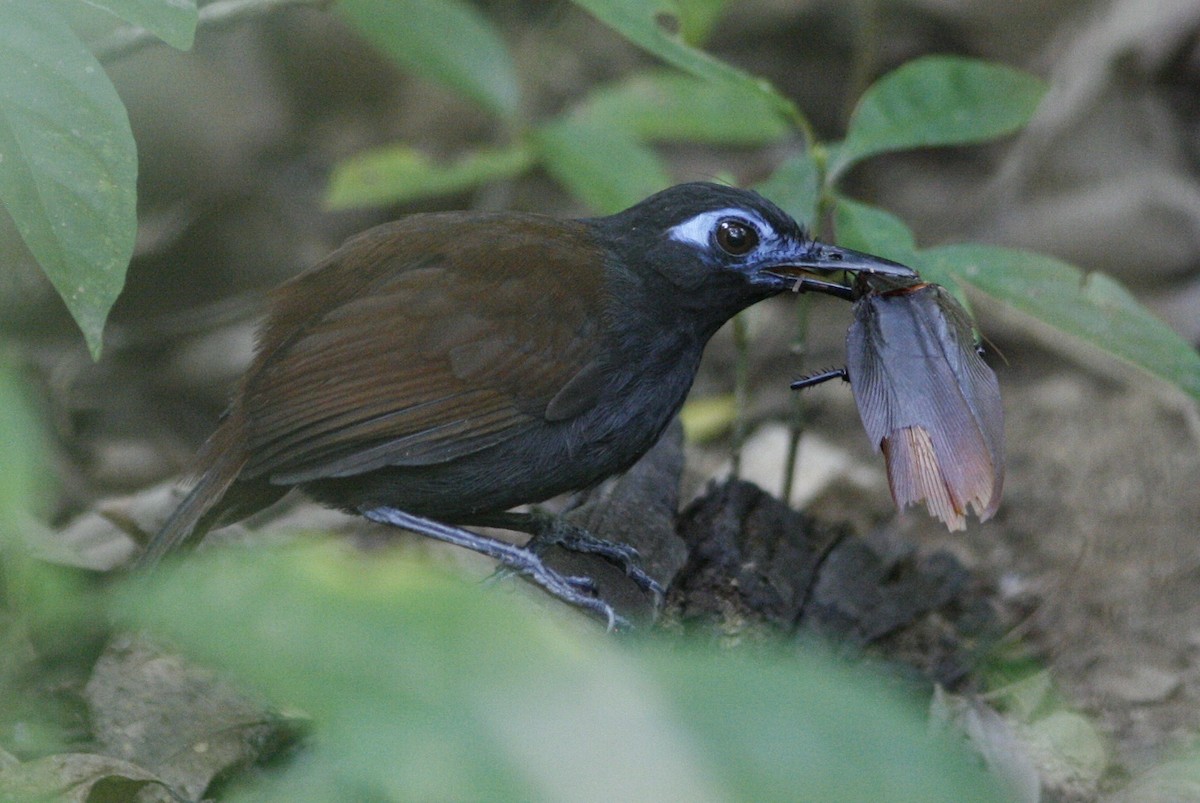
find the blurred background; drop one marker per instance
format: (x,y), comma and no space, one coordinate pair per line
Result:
(1096,549)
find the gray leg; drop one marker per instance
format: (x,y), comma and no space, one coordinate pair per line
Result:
(578,591)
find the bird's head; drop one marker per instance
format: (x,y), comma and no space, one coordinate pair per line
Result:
(730,247)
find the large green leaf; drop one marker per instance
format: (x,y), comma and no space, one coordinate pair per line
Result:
(605,166)
(68,164)
(398,173)
(423,688)
(173,21)
(873,230)
(796,187)
(1092,309)
(667,105)
(448,41)
(938,100)
(655,26)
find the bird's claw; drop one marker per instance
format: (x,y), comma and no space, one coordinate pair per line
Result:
(576,539)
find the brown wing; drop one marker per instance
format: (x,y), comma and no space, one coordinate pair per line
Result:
(396,351)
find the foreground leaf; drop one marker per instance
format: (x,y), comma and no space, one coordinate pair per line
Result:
(938,100)
(68,164)
(173,21)
(422,688)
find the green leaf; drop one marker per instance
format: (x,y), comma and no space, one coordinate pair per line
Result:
(795,187)
(173,21)
(447,41)
(606,167)
(707,418)
(667,105)
(1090,308)
(697,18)
(399,173)
(654,25)
(425,688)
(868,228)
(68,164)
(802,728)
(938,100)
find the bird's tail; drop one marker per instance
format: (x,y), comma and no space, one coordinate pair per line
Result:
(198,512)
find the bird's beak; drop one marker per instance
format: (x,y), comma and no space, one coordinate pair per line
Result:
(811,267)
(824,259)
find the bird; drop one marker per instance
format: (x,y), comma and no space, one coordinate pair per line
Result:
(436,371)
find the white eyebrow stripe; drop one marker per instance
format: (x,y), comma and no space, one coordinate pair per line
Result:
(696,230)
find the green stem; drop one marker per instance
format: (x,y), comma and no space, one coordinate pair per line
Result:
(799,348)
(741,390)
(800,342)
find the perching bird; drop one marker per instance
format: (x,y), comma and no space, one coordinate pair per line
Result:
(443,368)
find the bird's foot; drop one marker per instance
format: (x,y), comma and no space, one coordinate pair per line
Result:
(574,590)
(556,531)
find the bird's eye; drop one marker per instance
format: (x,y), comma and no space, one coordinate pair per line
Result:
(736,237)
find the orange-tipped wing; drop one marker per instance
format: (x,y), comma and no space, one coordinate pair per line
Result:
(928,401)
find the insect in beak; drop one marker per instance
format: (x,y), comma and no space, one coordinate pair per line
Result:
(926,398)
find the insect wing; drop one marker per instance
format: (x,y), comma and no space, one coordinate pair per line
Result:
(928,401)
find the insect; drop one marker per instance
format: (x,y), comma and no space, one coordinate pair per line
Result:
(927,399)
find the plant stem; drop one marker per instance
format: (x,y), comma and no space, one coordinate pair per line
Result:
(799,348)
(741,389)
(800,341)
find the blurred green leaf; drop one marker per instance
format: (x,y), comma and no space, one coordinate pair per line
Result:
(1091,308)
(398,173)
(795,187)
(868,228)
(448,41)
(655,26)
(708,418)
(938,100)
(606,167)
(423,688)
(813,728)
(697,18)
(68,164)
(21,450)
(667,105)
(39,605)
(173,21)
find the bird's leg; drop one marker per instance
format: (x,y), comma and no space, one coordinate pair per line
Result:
(823,376)
(806,285)
(577,591)
(551,530)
